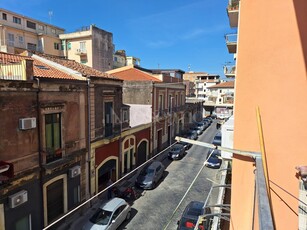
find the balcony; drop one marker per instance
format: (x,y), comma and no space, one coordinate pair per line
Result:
(81,52)
(231,42)
(230,71)
(233,13)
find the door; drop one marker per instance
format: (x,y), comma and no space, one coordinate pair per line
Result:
(55,200)
(142,152)
(159,140)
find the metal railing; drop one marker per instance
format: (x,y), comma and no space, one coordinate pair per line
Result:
(231,38)
(264,208)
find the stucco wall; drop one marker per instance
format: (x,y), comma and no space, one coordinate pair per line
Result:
(271,74)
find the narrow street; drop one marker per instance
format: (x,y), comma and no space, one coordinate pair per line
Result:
(155,209)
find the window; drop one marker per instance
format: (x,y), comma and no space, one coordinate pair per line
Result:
(125,116)
(82,47)
(31,46)
(20,39)
(40,27)
(161,107)
(69,46)
(16,20)
(11,39)
(53,136)
(170,103)
(31,25)
(4,16)
(56,46)
(76,194)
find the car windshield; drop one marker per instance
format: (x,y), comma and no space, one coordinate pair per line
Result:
(176,148)
(147,172)
(101,217)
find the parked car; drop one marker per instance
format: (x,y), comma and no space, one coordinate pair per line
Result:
(150,175)
(217,140)
(197,130)
(191,134)
(190,216)
(176,152)
(214,160)
(185,145)
(201,125)
(110,215)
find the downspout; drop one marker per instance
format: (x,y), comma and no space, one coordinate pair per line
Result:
(89,136)
(40,158)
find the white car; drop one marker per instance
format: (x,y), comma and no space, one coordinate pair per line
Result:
(109,216)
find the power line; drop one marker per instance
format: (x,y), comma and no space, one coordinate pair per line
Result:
(99,193)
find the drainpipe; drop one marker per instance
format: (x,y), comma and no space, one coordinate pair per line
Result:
(39,151)
(89,136)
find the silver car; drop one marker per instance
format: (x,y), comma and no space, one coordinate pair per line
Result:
(109,216)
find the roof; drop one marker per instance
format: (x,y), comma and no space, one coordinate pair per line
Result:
(83,69)
(132,74)
(40,69)
(227,84)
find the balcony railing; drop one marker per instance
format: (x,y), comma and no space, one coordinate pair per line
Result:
(233,13)
(81,52)
(231,42)
(230,70)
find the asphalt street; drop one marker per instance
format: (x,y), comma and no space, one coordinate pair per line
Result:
(156,209)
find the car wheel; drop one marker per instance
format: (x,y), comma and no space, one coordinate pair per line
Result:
(128,215)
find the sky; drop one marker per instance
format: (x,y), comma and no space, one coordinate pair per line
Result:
(166,34)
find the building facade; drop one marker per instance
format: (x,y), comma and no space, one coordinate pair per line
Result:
(90,46)
(19,33)
(161,100)
(42,147)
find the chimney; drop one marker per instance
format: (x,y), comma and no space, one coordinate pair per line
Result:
(28,69)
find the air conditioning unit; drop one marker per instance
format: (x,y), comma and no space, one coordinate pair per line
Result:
(18,198)
(27,123)
(74,171)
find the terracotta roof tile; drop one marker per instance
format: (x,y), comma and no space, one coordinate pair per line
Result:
(133,74)
(83,69)
(40,69)
(227,84)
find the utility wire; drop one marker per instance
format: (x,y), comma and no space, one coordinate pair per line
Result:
(175,210)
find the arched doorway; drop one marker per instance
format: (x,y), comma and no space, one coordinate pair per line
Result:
(142,152)
(105,172)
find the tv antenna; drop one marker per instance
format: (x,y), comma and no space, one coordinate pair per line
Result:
(50,13)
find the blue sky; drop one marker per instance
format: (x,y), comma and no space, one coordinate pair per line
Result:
(168,34)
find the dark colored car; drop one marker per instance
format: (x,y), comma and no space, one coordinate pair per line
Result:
(214,160)
(150,175)
(185,145)
(197,129)
(176,152)
(190,216)
(217,140)
(191,135)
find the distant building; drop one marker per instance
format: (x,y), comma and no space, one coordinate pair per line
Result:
(201,81)
(90,46)
(120,59)
(221,97)
(154,96)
